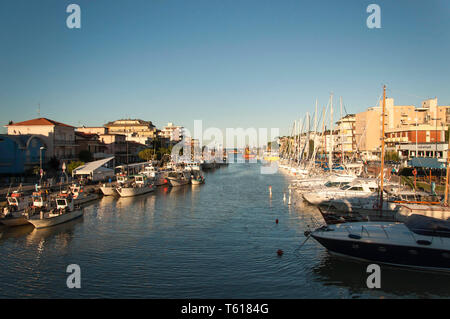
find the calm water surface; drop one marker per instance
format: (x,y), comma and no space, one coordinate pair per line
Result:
(217,240)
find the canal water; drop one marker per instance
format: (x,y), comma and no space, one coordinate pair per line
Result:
(217,240)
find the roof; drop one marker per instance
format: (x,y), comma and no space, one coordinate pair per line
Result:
(91,166)
(130,122)
(39,121)
(427,162)
(86,135)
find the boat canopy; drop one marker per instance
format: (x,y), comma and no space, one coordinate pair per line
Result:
(428,226)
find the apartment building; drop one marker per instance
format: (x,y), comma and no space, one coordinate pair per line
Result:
(346,141)
(59,138)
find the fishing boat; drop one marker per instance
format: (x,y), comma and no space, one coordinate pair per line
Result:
(14,214)
(80,196)
(40,200)
(197,177)
(65,211)
(419,242)
(110,189)
(141,185)
(179,178)
(17,201)
(159,177)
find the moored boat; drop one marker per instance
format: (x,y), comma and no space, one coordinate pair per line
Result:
(80,196)
(419,242)
(141,185)
(64,212)
(14,214)
(179,178)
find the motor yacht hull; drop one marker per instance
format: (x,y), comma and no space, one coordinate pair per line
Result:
(392,243)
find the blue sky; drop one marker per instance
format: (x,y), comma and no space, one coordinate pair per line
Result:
(230,63)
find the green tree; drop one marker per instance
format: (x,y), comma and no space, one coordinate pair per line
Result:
(146,155)
(72,165)
(391,156)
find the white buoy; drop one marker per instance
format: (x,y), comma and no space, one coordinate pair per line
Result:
(289,202)
(284,197)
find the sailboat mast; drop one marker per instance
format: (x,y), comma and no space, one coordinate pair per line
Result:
(382,148)
(330,156)
(342,136)
(315,130)
(447,174)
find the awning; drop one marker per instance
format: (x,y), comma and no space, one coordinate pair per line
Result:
(91,167)
(426,162)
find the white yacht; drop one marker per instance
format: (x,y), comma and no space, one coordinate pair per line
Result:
(358,188)
(319,183)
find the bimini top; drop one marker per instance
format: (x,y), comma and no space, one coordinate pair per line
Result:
(428,226)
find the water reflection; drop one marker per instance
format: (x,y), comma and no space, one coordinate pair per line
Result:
(216,240)
(395,281)
(15,232)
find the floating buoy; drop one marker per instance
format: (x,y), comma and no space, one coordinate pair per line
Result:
(289,202)
(280,252)
(276,221)
(284,197)
(270,191)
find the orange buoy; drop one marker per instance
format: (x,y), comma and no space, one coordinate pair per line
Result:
(280,252)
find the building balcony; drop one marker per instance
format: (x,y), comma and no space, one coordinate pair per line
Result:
(64,143)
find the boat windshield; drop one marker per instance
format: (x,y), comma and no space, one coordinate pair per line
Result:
(345,187)
(332,184)
(61,202)
(13,201)
(428,226)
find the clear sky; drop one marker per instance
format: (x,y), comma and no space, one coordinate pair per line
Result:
(231,63)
